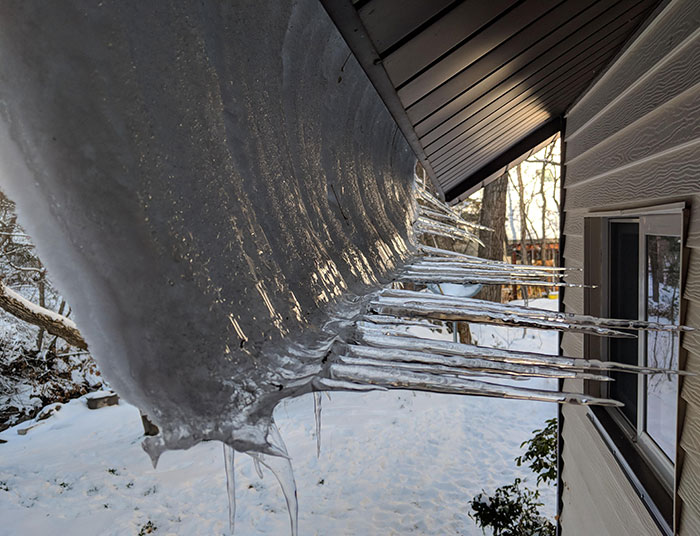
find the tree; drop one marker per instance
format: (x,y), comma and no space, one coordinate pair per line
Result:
(43,357)
(493,216)
(548,172)
(45,319)
(21,268)
(524,207)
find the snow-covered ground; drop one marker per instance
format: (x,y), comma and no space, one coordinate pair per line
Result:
(391,463)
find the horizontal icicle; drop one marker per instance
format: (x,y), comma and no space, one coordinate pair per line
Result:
(390,339)
(443,263)
(462,365)
(394,378)
(403,322)
(426,225)
(441,216)
(435,254)
(466,277)
(329,384)
(412,303)
(428,308)
(444,209)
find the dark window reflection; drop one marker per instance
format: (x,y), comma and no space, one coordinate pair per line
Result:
(663,305)
(624,303)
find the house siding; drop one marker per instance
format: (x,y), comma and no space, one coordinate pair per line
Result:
(633,140)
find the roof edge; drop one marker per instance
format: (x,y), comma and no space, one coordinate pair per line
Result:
(500,165)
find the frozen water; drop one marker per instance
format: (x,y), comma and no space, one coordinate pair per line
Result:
(229,458)
(256,463)
(394,462)
(317,420)
(281,467)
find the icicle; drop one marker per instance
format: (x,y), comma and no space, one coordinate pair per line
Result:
(446,311)
(443,210)
(229,454)
(394,378)
(256,463)
(471,278)
(421,361)
(422,304)
(438,216)
(425,225)
(336,385)
(467,263)
(317,418)
(388,339)
(281,467)
(435,254)
(402,322)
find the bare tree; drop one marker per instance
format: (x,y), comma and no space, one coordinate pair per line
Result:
(547,161)
(520,187)
(493,216)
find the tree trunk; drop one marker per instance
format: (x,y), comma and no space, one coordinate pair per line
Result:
(42,303)
(544,214)
(523,217)
(493,215)
(465,334)
(52,322)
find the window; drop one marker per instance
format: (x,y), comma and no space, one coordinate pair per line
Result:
(634,260)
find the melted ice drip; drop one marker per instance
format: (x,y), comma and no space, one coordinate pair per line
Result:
(256,463)
(317,418)
(281,467)
(229,454)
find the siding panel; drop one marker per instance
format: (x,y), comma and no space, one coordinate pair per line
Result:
(690,392)
(689,522)
(666,176)
(573,224)
(666,32)
(664,85)
(691,340)
(634,140)
(619,512)
(693,231)
(573,299)
(573,249)
(669,125)
(689,487)
(692,278)
(572,344)
(690,437)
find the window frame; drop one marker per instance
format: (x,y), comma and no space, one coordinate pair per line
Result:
(652,474)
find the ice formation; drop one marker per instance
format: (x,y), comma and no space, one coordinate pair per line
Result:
(225,211)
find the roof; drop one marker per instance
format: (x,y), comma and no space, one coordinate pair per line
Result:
(473,84)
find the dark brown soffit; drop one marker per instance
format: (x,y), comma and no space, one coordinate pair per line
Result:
(471,82)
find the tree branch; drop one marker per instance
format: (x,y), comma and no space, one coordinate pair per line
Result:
(52,322)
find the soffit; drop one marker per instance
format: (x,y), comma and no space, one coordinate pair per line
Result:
(470,81)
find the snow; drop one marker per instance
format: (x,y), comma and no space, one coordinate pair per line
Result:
(36,309)
(391,463)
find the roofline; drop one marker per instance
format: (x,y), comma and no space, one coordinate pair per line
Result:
(352,30)
(500,165)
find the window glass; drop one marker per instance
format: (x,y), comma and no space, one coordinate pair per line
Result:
(663,260)
(624,303)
